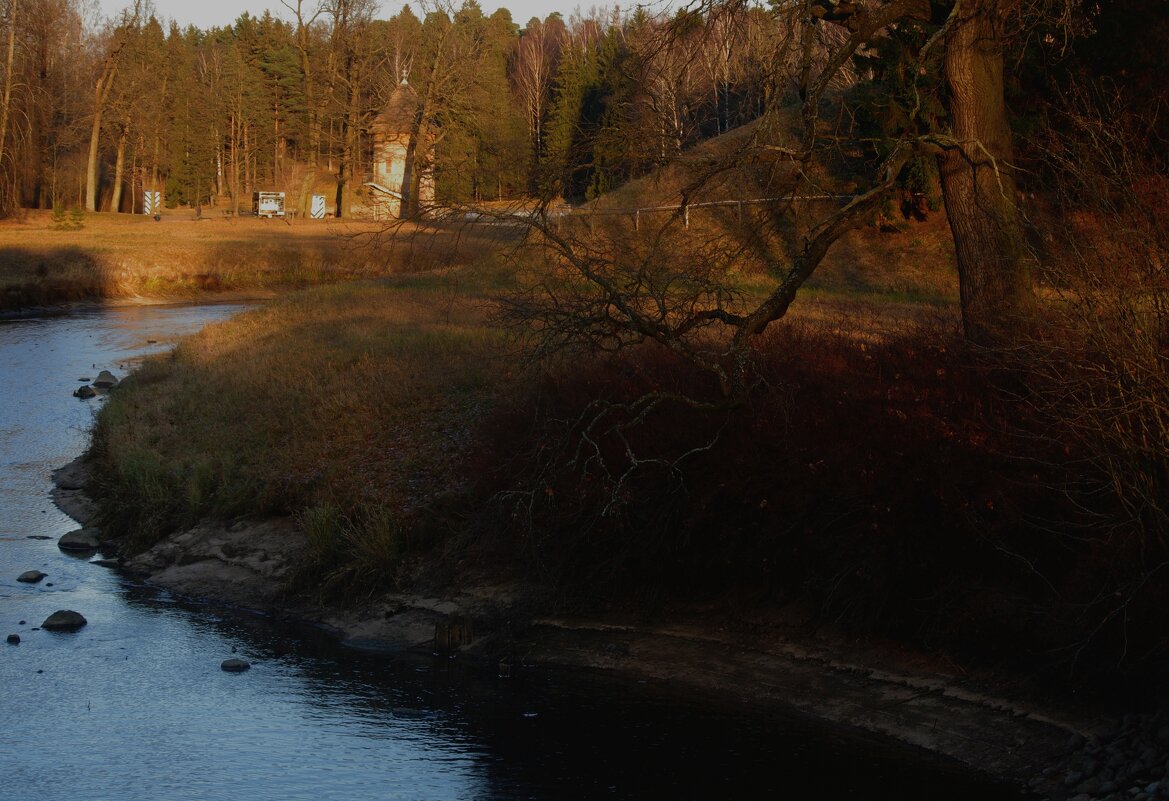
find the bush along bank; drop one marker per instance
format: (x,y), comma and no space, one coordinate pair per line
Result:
(902,485)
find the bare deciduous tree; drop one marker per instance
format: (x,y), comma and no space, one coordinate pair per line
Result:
(623,287)
(533,67)
(103,87)
(304,21)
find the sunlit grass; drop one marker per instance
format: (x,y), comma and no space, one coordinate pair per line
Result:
(125,256)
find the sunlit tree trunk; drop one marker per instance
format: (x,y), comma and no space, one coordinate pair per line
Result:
(101,94)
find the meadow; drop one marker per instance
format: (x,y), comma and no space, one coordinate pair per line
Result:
(121,257)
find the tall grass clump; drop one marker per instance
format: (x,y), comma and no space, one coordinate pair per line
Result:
(351,553)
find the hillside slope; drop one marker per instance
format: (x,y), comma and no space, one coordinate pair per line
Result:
(895,258)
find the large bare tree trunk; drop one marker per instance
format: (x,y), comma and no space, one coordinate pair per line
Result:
(412,174)
(978,182)
(91,166)
(6,101)
(101,94)
(348,138)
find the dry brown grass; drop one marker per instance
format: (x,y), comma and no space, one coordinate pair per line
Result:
(349,404)
(127,256)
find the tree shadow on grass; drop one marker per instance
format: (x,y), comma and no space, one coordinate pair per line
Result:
(31,278)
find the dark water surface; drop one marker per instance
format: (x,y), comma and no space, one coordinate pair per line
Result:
(134,706)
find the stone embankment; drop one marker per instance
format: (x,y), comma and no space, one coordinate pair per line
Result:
(1127,761)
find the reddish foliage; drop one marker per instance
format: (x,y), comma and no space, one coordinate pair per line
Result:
(907,487)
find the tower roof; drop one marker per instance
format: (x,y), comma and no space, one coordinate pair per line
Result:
(398,115)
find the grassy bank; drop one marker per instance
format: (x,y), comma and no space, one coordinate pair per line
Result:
(118,256)
(348,406)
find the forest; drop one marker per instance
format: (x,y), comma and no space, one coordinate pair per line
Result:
(93,113)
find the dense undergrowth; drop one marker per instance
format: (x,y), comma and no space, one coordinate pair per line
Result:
(909,487)
(901,482)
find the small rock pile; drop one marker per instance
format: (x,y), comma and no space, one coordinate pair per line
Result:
(1131,763)
(104,382)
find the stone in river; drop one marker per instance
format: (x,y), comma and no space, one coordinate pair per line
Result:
(84,392)
(30,576)
(234,665)
(82,539)
(105,380)
(64,620)
(14,639)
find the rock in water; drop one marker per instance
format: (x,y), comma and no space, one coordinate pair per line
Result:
(30,576)
(14,639)
(64,620)
(82,539)
(235,665)
(105,380)
(84,392)
(72,476)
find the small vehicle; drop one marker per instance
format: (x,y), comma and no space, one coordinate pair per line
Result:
(268,204)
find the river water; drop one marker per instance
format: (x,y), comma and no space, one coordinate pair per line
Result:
(135,706)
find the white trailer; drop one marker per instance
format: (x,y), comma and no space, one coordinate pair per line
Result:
(268,204)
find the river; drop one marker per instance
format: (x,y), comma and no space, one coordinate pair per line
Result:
(135,706)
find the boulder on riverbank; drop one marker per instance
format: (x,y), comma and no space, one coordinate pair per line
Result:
(80,540)
(72,476)
(69,491)
(244,564)
(64,620)
(84,392)
(31,576)
(105,380)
